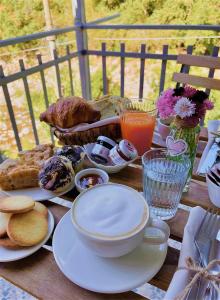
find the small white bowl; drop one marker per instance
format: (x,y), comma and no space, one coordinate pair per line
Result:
(110,169)
(214,192)
(84,172)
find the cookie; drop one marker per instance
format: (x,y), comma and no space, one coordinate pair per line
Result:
(16,204)
(6,242)
(40,208)
(27,229)
(4,218)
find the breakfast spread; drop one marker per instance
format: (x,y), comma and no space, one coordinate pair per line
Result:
(90,180)
(57,174)
(23,172)
(70,111)
(23,222)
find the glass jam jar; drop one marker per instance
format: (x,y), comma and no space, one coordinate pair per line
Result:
(123,153)
(100,151)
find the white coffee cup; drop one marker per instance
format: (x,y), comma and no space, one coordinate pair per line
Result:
(101,215)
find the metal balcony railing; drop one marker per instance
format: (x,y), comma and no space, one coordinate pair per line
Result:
(80,28)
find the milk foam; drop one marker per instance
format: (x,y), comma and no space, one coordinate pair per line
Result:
(110,210)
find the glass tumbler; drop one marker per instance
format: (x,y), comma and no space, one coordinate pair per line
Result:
(163,181)
(138,118)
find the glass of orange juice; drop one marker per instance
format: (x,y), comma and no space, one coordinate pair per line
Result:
(138,120)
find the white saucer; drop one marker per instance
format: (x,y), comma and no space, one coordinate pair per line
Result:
(37,194)
(104,275)
(7,254)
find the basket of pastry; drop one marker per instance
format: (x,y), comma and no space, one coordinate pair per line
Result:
(76,121)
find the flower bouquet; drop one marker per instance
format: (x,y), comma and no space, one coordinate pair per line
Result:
(187,106)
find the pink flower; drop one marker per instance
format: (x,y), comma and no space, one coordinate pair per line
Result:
(189,91)
(187,104)
(209,105)
(166,103)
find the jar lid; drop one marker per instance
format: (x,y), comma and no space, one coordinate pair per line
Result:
(106,139)
(128,149)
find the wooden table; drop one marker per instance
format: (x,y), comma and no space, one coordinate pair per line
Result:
(40,276)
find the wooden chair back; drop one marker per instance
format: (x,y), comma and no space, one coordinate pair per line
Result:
(212,63)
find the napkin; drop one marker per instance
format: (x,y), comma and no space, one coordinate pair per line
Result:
(86,126)
(182,277)
(213,125)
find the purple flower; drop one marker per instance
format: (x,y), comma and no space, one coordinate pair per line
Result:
(189,91)
(209,105)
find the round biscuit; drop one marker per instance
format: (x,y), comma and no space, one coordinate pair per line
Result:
(27,229)
(16,204)
(40,208)
(4,218)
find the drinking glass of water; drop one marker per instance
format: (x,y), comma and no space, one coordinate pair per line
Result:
(163,181)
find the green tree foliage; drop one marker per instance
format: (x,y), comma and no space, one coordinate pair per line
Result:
(27,16)
(110,4)
(22,17)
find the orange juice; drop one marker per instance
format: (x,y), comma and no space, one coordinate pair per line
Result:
(138,128)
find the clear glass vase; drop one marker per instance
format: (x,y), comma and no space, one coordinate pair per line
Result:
(191,137)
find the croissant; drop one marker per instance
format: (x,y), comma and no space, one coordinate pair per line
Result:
(70,111)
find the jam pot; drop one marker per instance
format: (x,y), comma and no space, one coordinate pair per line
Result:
(101,150)
(122,153)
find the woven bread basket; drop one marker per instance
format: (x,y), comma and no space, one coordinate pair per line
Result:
(112,131)
(109,106)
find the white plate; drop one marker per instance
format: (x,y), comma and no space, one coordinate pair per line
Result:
(104,275)
(108,168)
(37,194)
(7,254)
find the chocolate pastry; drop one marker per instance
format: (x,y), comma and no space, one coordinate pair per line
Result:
(74,153)
(57,174)
(70,111)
